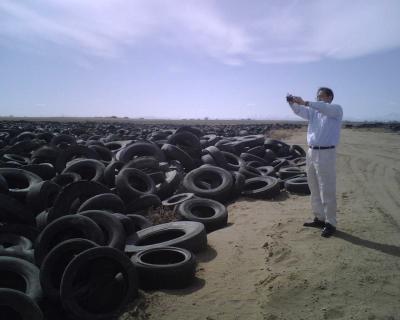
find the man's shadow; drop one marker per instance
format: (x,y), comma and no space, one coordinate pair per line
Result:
(385,248)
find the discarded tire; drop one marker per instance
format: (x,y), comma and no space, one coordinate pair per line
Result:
(177,199)
(165,268)
(104,201)
(132,183)
(221,182)
(211,213)
(261,187)
(98,283)
(189,235)
(56,261)
(17,305)
(297,185)
(112,228)
(80,190)
(64,228)
(21,275)
(288,172)
(19,181)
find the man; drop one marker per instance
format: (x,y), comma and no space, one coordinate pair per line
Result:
(324,123)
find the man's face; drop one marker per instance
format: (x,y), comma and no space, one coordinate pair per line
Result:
(322,96)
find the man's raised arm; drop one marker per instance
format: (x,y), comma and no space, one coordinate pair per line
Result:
(331,110)
(301,111)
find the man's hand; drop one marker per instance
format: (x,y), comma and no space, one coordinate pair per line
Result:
(299,101)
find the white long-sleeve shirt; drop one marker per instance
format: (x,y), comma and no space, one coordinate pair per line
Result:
(324,122)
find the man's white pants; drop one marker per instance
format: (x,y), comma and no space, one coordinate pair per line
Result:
(321,175)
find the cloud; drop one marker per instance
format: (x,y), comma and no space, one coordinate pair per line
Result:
(230,32)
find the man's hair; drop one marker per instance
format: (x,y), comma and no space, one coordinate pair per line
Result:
(327,91)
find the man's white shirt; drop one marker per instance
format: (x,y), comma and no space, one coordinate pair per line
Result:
(324,122)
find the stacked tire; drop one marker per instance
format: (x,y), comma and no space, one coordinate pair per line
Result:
(75,235)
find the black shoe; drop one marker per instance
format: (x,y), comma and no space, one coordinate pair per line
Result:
(316,223)
(328,230)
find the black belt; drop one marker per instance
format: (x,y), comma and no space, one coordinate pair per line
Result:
(321,148)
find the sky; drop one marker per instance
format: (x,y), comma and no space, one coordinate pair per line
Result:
(225,59)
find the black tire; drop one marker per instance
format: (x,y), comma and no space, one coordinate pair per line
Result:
(279,163)
(157,177)
(41,196)
(14,245)
(56,261)
(301,161)
(3,185)
(12,211)
(105,201)
(234,161)
(297,185)
(177,199)
(127,223)
(297,151)
(132,183)
(269,156)
(211,213)
(196,131)
(139,149)
(81,190)
(288,172)
(62,138)
(11,241)
(74,152)
(261,187)
(21,275)
(45,171)
(250,172)
(15,305)
(186,141)
(258,151)
(267,170)
(239,180)
(282,182)
(249,141)
(220,179)
(139,221)
(209,140)
(226,145)
(145,163)
(113,230)
(111,172)
(88,169)
(173,152)
(64,228)
(46,154)
(65,179)
(170,185)
(89,276)
(165,268)
(189,235)
(41,220)
(251,157)
(26,231)
(15,158)
(208,159)
(104,153)
(255,164)
(19,181)
(218,156)
(278,147)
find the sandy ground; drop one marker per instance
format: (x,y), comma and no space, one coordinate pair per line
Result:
(265,265)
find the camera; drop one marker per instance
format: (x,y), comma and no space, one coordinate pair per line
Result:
(289,98)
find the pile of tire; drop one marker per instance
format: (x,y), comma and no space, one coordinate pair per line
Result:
(75,238)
